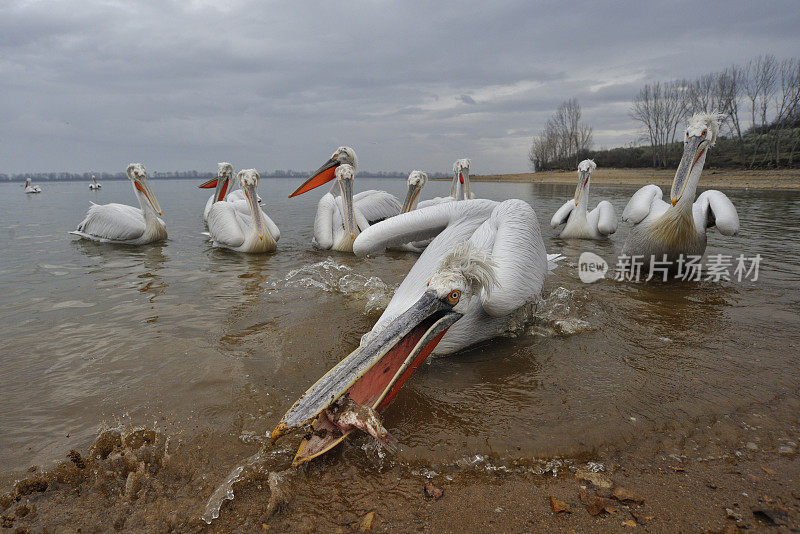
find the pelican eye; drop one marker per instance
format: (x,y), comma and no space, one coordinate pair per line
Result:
(704,133)
(453,297)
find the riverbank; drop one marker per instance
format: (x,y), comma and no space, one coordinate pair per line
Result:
(782,179)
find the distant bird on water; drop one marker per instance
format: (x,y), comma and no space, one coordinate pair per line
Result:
(119,223)
(94,185)
(30,188)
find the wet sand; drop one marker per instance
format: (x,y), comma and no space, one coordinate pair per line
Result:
(782,179)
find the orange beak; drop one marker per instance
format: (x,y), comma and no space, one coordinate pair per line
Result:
(209,184)
(322,176)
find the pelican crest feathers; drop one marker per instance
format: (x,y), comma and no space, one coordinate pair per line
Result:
(470,262)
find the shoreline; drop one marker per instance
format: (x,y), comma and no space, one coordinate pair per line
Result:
(772,180)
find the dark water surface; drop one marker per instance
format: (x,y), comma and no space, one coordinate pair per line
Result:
(214,346)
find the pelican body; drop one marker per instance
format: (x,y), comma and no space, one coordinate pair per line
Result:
(94,185)
(679,229)
(341,216)
(241,225)
(580,222)
(486,261)
(118,223)
(30,188)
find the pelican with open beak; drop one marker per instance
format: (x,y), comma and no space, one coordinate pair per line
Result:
(221,184)
(678,228)
(242,225)
(118,223)
(370,377)
(341,215)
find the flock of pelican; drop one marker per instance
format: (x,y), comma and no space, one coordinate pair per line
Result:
(479,261)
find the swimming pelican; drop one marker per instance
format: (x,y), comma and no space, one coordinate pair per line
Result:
(459,188)
(29,188)
(596,224)
(241,225)
(118,223)
(680,228)
(486,261)
(94,184)
(341,218)
(222,185)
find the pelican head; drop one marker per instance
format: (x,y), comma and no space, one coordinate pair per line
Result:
(701,134)
(585,169)
(221,181)
(248,182)
(373,373)
(138,176)
(416,181)
(460,188)
(343,155)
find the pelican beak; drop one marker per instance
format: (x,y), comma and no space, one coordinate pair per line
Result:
(347,200)
(693,150)
(411,196)
(322,176)
(461,177)
(583,181)
(373,373)
(209,184)
(255,210)
(144,187)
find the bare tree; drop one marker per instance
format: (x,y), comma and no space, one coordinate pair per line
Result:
(661,108)
(563,140)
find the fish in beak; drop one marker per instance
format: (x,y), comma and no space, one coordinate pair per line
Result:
(367,379)
(142,185)
(322,176)
(693,150)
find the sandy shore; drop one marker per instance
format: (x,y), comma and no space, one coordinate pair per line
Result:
(784,179)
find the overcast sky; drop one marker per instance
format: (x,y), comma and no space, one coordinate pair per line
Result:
(94,85)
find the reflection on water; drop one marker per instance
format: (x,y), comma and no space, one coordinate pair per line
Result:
(215,345)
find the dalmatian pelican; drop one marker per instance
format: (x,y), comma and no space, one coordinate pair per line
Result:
(94,185)
(30,188)
(118,223)
(661,229)
(581,223)
(221,184)
(241,225)
(341,216)
(486,261)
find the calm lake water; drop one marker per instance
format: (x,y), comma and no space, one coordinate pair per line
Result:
(214,346)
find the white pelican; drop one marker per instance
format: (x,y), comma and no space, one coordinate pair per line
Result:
(94,184)
(221,184)
(459,189)
(416,182)
(487,261)
(582,224)
(680,228)
(340,215)
(30,188)
(241,225)
(118,223)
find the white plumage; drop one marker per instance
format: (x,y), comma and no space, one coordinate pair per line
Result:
(504,238)
(94,185)
(581,223)
(118,223)
(30,188)
(679,228)
(242,225)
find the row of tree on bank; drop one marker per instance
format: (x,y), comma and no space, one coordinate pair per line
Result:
(181,175)
(759,106)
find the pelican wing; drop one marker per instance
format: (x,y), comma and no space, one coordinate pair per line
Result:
(434,201)
(513,235)
(113,222)
(561,216)
(713,208)
(376,205)
(641,203)
(606,218)
(323,223)
(226,225)
(417,225)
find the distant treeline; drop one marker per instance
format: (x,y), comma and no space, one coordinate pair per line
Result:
(180,175)
(758,104)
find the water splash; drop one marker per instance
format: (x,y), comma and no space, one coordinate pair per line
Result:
(224,491)
(337,278)
(556,315)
